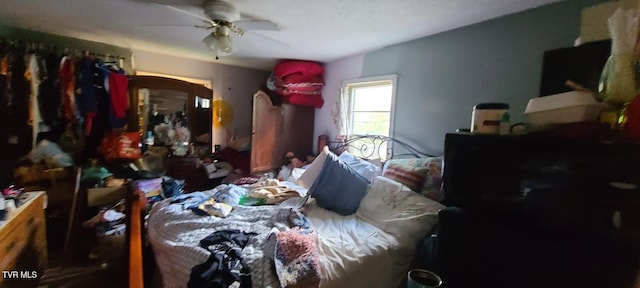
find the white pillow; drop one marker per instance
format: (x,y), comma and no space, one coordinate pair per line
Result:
(306,179)
(397,210)
(366,169)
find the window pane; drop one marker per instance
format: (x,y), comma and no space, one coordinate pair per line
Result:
(375,98)
(374,123)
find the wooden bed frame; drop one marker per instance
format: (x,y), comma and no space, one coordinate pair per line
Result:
(135,208)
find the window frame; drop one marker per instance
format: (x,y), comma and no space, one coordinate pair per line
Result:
(348,85)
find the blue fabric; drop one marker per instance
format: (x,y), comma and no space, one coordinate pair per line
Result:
(338,188)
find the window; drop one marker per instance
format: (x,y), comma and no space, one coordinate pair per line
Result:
(368,105)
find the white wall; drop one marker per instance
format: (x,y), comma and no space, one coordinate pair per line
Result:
(235,84)
(335,72)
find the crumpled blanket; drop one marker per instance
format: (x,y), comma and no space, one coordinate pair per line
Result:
(271,191)
(175,232)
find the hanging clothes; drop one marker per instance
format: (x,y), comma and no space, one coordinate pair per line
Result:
(49,96)
(67,88)
(100,122)
(33,75)
(6,165)
(118,86)
(19,95)
(86,91)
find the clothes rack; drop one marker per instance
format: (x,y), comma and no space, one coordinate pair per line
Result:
(40,47)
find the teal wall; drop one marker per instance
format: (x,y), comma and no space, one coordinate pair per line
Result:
(441,77)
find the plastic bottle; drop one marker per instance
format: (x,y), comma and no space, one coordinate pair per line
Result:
(505,124)
(149,140)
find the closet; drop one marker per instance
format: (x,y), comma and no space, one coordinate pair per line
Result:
(278,129)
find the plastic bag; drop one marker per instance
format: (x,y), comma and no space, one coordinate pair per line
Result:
(121,145)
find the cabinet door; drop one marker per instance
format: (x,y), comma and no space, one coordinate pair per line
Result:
(265,133)
(297,130)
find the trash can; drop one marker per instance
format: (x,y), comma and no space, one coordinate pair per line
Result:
(420,278)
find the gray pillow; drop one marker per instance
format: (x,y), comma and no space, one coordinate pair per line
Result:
(338,188)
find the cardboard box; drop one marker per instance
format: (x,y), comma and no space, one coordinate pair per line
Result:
(105,196)
(569,107)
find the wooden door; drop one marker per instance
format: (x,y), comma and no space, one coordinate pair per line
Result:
(297,130)
(265,133)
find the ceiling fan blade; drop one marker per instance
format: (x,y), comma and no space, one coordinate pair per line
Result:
(256,25)
(205,19)
(175,25)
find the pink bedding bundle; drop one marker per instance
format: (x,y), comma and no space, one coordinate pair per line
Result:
(299,82)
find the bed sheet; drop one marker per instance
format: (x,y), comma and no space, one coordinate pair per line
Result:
(175,233)
(355,253)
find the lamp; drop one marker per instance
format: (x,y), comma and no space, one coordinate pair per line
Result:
(219,41)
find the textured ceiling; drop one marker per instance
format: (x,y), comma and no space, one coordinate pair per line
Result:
(319,30)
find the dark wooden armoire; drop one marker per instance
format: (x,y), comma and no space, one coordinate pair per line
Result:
(278,129)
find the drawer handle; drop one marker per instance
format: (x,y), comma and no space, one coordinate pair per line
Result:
(616,220)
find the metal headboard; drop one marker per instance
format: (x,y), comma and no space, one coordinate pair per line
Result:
(370,146)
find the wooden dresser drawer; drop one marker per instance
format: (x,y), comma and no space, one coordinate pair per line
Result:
(23,235)
(188,169)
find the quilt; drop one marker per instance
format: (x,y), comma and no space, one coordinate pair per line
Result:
(283,241)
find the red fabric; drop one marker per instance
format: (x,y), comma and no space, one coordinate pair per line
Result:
(88,122)
(298,82)
(313,100)
(121,145)
(237,159)
(631,128)
(298,79)
(67,88)
(289,67)
(118,85)
(286,91)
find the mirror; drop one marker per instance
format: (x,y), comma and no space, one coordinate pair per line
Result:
(164,110)
(170,111)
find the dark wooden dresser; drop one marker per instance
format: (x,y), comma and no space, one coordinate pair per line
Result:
(189,169)
(539,211)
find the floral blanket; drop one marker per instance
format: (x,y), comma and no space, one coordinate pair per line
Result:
(296,258)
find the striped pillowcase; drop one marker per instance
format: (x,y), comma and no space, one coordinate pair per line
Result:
(412,177)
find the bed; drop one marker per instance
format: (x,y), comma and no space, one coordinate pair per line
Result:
(352,223)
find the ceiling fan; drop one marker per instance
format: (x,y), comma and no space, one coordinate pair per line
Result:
(223,19)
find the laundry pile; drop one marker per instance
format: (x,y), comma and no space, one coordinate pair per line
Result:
(298,82)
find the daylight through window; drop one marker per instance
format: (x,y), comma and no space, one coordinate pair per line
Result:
(370,104)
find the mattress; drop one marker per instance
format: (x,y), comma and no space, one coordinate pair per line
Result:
(355,253)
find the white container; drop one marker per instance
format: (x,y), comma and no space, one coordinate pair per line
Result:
(486,117)
(568,107)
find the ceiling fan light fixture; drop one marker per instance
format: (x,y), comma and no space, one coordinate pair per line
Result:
(220,44)
(224,45)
